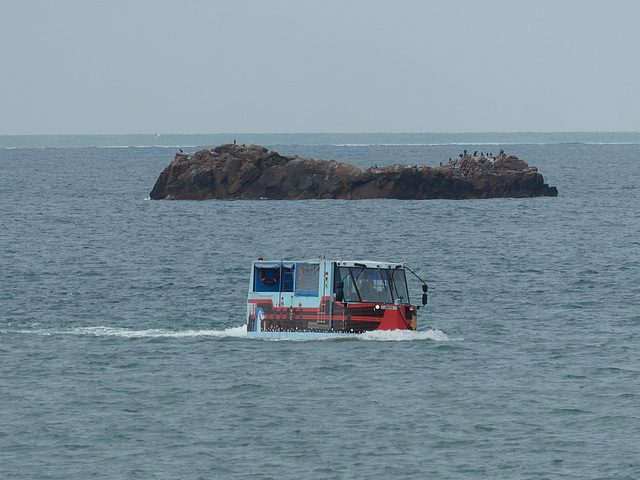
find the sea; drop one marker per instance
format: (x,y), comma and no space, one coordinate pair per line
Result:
(123,352)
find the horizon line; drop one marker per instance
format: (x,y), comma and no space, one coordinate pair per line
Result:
(160,134)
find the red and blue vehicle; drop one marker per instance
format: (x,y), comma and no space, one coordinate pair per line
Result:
(319,298)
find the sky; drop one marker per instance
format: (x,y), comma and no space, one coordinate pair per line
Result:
(289,66)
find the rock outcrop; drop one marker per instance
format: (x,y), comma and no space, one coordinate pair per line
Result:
(234,171)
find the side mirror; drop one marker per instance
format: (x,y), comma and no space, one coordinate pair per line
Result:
(339,291)
(424,299)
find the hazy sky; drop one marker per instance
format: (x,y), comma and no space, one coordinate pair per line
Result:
(218,66)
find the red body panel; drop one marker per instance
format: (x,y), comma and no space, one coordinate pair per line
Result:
(332,316)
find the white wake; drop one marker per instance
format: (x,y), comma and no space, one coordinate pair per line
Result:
(235,332)
(103,331)
(405,336)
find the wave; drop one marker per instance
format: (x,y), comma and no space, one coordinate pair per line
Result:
(159,333)
(193,144)
(143,146)
(405,336)
(445,144)
(103,331)
(100,147)
(375,336)
(464,144)
(233,332)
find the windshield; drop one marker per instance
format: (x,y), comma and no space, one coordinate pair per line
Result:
(373,285)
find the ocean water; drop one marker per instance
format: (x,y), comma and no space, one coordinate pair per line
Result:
(122,351)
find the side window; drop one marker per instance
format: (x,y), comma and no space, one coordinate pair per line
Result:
(266,278)
(287,284)
(350,290)
(307,279)
(400,283)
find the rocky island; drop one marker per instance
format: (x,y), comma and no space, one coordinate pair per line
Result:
(235,171)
